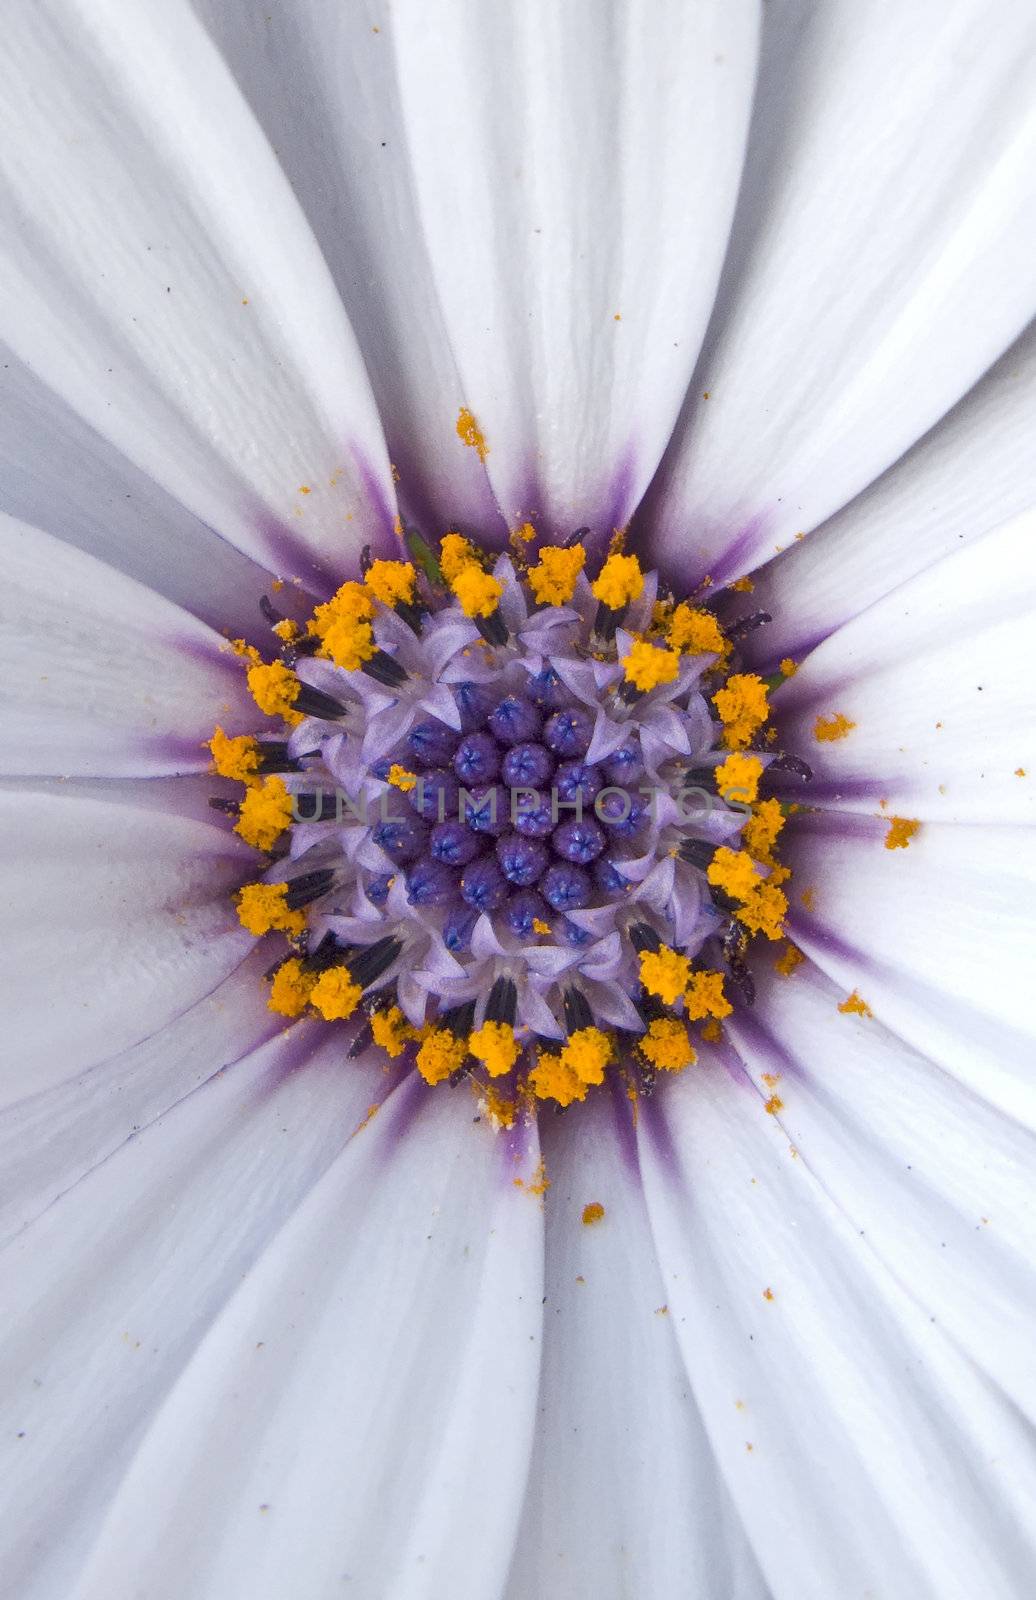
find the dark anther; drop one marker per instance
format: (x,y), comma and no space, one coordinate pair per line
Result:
(367,967)
(383,668)
(230,808)
(328,953)
(735,943)
(745,625)
(644,937)
(313,806)
(411,614)
(458,1020)
(607,620)
(577,1011)
(363,1041)
(579,537)
(701,778)
(269,611)
(502,1005)
(697,853)
(307,887)
(629,692)
(783,762)
(492,628)
(650,1008)
(315,703)
(307,645)
(366,560)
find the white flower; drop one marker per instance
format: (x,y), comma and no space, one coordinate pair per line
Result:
(260,1341)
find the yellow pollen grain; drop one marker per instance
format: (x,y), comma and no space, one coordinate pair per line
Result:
(262,908)
(265,813)
(287,630)
(664,972)
(594,1212)
(828,730)
(538,1184)
(335,995)
(349,603)
(477,591)
(500,1109)
(764,911)
(440,1055)
(743,707)
(712,1031)
(553,579)
(274,688)
(667,1045)
(469,433)
(400,778)
(647,667)
(854,1006)
(774,1104)
(236,757)
(808,898)
(738,777)
(1019,772)
(539,926)
(495,1045)
(695,633)
(901,831)
(705,997)
(733,871)
(291,988)
(789,958)
(768,1294)
(759,833)
(552,1079)
(619,582)
(587,1053)
(789,667)
(456,553)
(526,533)
(743,585)
(391,1031)
(392,582)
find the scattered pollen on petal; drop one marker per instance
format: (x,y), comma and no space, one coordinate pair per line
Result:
(827,730)
(853,1005)
(790,958)
(592,1213)
(900,832)
(469,432)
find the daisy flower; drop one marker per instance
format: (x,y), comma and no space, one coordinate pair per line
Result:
(517,593)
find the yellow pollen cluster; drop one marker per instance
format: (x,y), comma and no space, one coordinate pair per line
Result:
(495,1045)
(440,1055)
(667,1045)
(764,911)
(743,708)
(291,989)
(901,831)
(335,995)
(392,582)
(664,972)
(456,553)
(854,1006)
(738,777)
(790,958)
(392,1031)
(478,592)
(759,834)
(705,997)
(566,1077)
(553,581)
(343,627)
(695,633)
(265,813)
(551,1079)
(789,667)
(734,871)
(235,758)
(646,667)
(400,778)
(469,432)
(619,582)
(274,688)
(827,730)
(262,907)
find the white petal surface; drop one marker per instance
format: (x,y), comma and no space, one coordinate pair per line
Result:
(936,938)
(881,263)
(855,1438)
(974,472)
(109,1293)
(50,1140)
(576,169)
(321,78)
(372,1378)
(939,1184)
(159,276)
(624,1495)
(102,677)
(114,919)
(938,679)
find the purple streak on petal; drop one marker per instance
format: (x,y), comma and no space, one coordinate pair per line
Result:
(829,791)
(805,930)
(382,537)
(624,1123)
(289,557)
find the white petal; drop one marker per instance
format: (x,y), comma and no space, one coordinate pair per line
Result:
(881,262)
(114,918)
(101,676)
(940,1185)
(938,679)
(60,474)
(936,938)
(853,1435)
(975,471)
(575,171)
(624,1497)
(162,280)
(110,1292)
(321,78)
(50,1140)
(374,1373)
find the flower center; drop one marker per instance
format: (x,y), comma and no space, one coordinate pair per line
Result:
(517,820)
